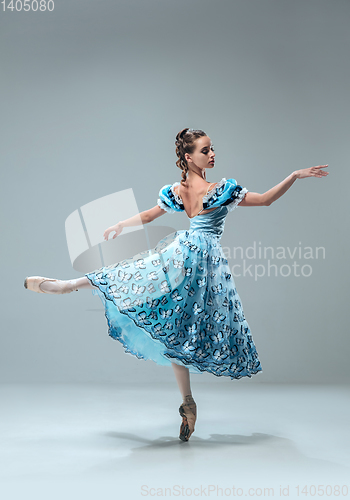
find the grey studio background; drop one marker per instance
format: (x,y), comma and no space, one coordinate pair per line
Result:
(93,95)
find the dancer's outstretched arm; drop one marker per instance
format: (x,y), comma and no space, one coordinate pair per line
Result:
(141,218)
(265,199)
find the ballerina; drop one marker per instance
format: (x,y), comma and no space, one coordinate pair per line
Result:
(179,305)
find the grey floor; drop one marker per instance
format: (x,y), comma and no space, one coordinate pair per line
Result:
(60,441)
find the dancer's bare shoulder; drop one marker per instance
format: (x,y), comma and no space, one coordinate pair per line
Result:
(200,189)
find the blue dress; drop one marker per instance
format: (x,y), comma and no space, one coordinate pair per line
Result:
(178,303)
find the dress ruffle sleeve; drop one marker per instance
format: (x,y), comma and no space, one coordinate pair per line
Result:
(232,194)
(168,200)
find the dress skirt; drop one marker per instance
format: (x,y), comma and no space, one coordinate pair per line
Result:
(178,303)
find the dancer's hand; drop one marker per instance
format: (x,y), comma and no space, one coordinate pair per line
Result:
(118,228)
(312,172)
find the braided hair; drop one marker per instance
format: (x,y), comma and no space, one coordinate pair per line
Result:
(185,143)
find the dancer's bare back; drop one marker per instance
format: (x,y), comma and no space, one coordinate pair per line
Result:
(192,198)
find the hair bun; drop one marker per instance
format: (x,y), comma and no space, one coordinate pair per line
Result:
(182,133)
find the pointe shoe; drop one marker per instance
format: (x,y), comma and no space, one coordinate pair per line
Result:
(33,283)
(188,412)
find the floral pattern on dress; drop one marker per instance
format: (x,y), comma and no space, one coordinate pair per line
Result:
(178,302)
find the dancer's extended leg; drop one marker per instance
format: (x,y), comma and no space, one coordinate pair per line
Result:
(54,286)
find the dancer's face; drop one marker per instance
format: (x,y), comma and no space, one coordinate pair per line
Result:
(203,156)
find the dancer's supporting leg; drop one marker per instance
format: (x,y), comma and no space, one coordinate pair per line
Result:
(188,409)
(182,375)
(54,287)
